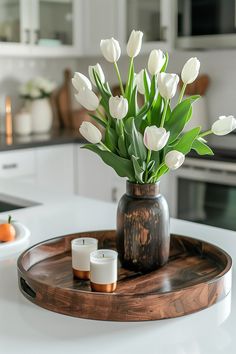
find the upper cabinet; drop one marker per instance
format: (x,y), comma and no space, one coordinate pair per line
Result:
(75,27)
(155,18)
(40,27)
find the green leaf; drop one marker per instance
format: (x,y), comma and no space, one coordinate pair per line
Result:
(156,111)
(146,85)
(137,147)
(123,167)
(201,148)
(133,106)
(130,82)
(153,90)
(111,138)
(138,170)
(179,117)
(99,120)
(163,69)
(122,146)
(185,143)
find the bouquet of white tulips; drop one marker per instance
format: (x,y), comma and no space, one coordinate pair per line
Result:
(37,88)
(142,143)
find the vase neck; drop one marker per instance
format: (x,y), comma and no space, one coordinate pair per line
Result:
(149,190)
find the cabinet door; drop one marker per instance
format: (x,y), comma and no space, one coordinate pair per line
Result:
(94,179)
(155,18)
(102,19)
(15,27)
(56,26)
(55,168)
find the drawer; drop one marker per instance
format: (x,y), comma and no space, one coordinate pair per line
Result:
(17,163)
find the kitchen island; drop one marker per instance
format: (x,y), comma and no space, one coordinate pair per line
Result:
(26,328)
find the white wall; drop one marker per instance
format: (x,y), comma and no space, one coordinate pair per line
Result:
(219,65)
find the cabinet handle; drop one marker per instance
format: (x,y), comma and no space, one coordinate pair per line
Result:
(27,36)
(114,194)
(37,36)
(163,33)
(10,166)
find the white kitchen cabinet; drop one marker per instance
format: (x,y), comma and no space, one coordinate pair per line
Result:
(40,27)
(102,19)
(94,179)
(155,18)
(51,167)
(55,167)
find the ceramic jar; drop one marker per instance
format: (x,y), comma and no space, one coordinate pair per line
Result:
(41,114)
(143,236)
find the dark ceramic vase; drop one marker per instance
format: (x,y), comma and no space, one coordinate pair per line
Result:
(143,236)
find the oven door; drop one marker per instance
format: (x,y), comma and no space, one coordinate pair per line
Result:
(205,192)
(206,24)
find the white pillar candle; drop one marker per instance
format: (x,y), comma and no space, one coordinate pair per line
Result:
(103,270)
(81,249)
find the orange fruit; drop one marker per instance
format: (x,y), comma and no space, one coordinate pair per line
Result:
(7,231)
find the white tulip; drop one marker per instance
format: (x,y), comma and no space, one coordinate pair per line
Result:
(79,81)
(167,85)
(134,43)
(110,49)
(87,99)
(156,61)
(190,71)
(140,82)
(118,107)
(155,138)
(174,159)
(90,132)
(224,125)
(99,72)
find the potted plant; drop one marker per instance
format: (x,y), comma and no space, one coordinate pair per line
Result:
(143,143)
(37,92)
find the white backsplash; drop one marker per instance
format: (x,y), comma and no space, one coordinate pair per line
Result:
(219,65)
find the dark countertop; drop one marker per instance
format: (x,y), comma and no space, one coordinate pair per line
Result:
(224,147)
(56,137)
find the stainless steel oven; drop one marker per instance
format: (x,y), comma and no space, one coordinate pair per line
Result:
(206,24)
(205,192)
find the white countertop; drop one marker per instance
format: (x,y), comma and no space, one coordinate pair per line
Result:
(27,328)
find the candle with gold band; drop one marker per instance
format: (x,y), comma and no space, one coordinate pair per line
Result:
(103,270)
(80,250)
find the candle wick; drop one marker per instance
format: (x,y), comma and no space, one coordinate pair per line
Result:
(103,255)
(83,242)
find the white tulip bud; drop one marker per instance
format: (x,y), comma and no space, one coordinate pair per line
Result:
(156,61)
(87,99)
(110,49)
(190,71)
(167,85)
(155,138)
(99,72)
(224,125)
(90,132)
(174,159)
(79,81)
(118,107)
(134,43)
(140,82)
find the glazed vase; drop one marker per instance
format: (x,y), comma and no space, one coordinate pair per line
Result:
(143,236)
(41,115)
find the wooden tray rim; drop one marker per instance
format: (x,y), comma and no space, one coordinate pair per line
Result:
(227,268)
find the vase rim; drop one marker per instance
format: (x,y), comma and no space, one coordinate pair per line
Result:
(144,190)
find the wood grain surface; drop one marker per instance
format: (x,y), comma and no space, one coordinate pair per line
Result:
(197,275)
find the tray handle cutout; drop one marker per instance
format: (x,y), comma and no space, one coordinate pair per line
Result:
(27,289)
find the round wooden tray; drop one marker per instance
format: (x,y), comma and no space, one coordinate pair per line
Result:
(197,275)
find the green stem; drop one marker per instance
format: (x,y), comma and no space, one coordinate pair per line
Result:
(147,162)
(9,219)
(164,113)
(205,133)
(129,75)
(182,93)
(104,146)
(101,116)
(119,79)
